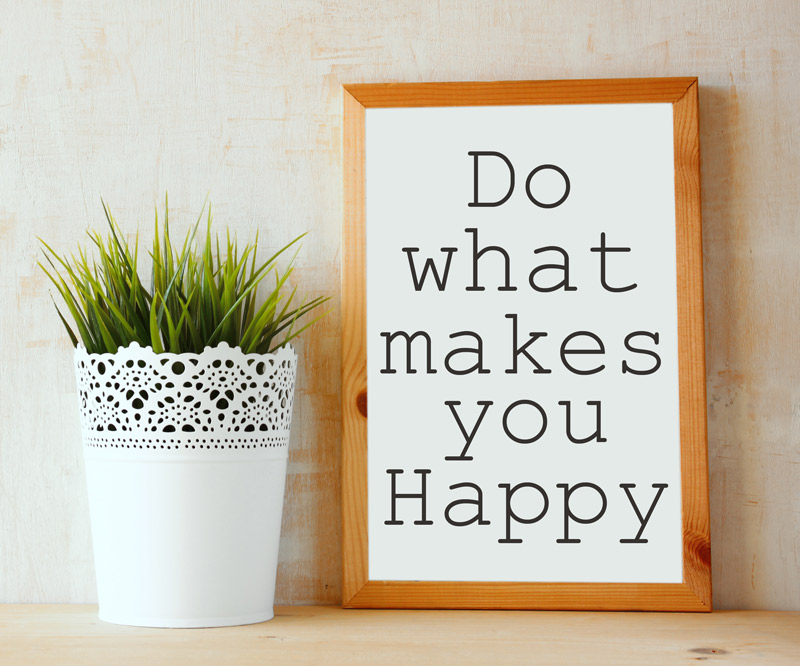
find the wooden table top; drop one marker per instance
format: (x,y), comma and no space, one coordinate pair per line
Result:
(66,635)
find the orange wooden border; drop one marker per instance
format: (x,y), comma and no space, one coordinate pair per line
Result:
(694,593)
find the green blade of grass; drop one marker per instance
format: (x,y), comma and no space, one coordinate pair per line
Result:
(66,325)
(291,336)
(155,334)
(196,298)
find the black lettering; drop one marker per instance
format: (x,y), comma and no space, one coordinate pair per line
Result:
(477,351)
(603,250)
(533,337)
(477,254)
(510,514)
(600,349)
(563,267)
(468,437)
(420,496)
(642,521)
(595,435)
(524,440)
(489,204)
(568,515)
(477,518)
(638,350)
(390,337)
(441,282)
(552,167)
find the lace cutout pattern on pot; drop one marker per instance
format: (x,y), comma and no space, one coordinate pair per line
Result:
(220,398)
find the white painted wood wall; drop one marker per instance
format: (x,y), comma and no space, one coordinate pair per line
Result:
(126,100)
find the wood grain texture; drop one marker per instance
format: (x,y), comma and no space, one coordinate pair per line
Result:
(504,93)
(355,560)
(694,593)
(691,348)
(72,635)
(243,100)
(515,596)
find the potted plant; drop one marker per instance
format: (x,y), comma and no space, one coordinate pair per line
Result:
(186,391)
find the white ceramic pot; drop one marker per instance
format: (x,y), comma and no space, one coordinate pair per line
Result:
(186,465)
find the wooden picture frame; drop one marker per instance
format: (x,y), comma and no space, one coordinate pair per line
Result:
(694,592)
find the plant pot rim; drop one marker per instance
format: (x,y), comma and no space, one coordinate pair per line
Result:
(219,399)
(287,352)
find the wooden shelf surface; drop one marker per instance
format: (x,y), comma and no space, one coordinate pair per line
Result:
(66,635)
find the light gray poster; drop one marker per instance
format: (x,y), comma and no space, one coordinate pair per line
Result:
(522,344)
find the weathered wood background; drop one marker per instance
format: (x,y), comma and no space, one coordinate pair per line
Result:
(242,100)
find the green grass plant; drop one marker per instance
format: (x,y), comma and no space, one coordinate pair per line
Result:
(198,296)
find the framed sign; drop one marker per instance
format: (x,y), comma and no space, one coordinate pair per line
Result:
(523,299)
